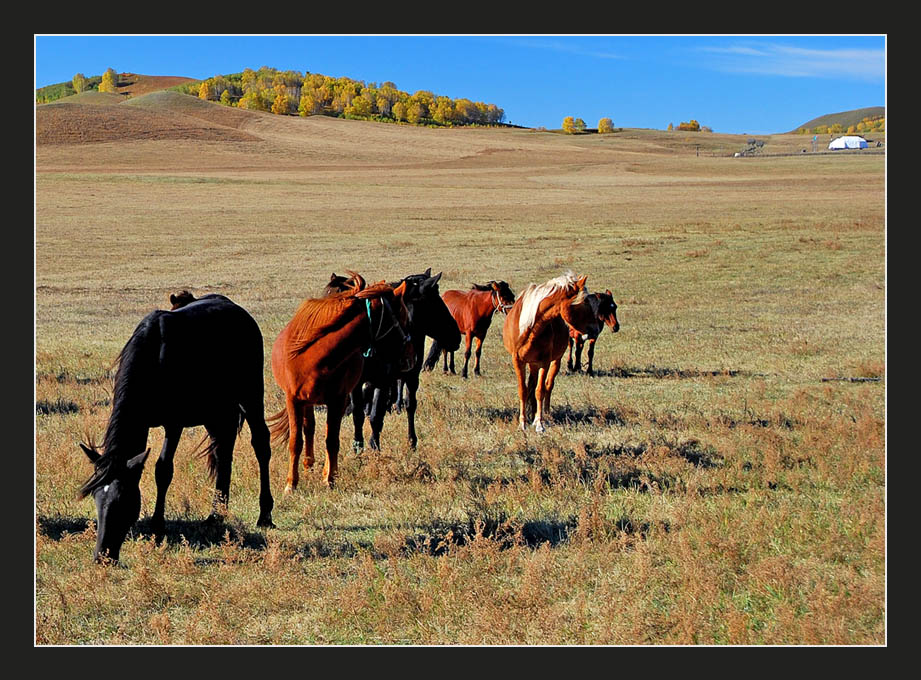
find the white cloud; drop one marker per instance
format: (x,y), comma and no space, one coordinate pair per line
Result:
(782,60)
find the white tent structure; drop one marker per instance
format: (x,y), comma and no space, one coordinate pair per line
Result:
(848,142)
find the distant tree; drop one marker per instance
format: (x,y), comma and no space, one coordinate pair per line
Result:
(280,105)
(109,81)
(225,98)
(414,112)
(399,111)
(79,83)
(579,125)
(670,127)
(204,92)
(692,126)
(569,125)
(605,125)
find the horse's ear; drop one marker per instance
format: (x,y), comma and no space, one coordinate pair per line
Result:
(437,277)
(608,292)
(428,272)
(332,277)
(136,464)
(92,454)
(400,290)
(580,283)
(173,299)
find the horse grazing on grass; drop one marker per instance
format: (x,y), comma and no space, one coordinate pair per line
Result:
(536,333)
(180,299)
(472,310)
(201,364)
(605,314)
(319,356)
(381,381)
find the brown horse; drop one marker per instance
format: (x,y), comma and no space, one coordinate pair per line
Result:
(472,310)
(536,334)
(318,358)
(605,314)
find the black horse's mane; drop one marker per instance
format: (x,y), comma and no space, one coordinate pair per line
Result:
(136,368)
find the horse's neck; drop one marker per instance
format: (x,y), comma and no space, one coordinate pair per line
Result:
(583,316)
(483,302)
(126,432)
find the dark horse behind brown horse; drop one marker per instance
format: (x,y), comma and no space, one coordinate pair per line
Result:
(472,310)
(201,364)
(382,381)
(605,314)
(318,359)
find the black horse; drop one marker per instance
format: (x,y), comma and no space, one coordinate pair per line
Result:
(381,380)
(199,364)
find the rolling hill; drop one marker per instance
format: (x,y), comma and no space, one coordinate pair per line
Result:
(844,118)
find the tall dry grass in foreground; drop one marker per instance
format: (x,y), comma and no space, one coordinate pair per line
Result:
(718,482)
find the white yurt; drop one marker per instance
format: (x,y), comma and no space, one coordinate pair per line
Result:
(848,142)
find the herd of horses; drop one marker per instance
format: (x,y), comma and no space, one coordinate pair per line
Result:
(357,348)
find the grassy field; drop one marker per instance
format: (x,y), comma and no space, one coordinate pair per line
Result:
(720,481)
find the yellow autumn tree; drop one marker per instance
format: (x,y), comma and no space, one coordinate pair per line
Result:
(569,125)
(225,97)
(605,125)
(109,81)
(79,82)
(204,92)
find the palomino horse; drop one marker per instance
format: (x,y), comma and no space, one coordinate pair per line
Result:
(605,314)
(472,310)
(201,364)
(380,379)
(319,356)
(536,334)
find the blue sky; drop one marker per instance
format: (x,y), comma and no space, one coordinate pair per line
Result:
(745,84)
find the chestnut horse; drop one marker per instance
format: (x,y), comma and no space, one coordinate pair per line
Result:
(536,333)
(472,310)
(605,314)
(201,364)
(318,358)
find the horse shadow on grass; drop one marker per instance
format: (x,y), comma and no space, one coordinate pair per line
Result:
(652,371)
(561,415)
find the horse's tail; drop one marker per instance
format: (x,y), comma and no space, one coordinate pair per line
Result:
(432,359)
(279,429)
(207,449)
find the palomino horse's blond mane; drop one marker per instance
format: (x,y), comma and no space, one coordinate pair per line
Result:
(534,294)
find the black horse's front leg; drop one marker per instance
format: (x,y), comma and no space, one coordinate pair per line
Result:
(163,474)
(358,417)
(412,385)
(378,409)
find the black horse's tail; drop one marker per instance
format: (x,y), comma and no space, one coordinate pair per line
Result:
(432,359)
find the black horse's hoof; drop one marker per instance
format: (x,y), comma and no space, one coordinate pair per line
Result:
(265,523)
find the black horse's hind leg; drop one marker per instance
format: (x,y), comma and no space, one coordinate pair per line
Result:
(453,372)
(580,343)
(260,440)
(591,356)
(224,436)
(398,400)
(569,360)
(164,475)
(358,417)
(412,384)
(378,409)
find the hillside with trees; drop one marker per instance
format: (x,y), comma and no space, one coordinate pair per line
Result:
(858,121)
(294,93)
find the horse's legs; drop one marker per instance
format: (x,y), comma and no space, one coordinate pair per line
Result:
(260,440)
(444,356)
(358,418)
(378,410)
(334,411)
(591,355)
(412,384)
(224,435)
(530,401)
(164,475)
(453,372)
(398,401)
(569,361)
(548,381)
(580,343)
(521,369)
(295,411)
(541,373)
(467,354)
(476,363)
(310,426)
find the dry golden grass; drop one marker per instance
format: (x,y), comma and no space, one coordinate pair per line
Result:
(707,487)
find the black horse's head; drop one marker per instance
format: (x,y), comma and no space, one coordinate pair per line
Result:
(503,294)
(430,315)
(607,310)
(115,487)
